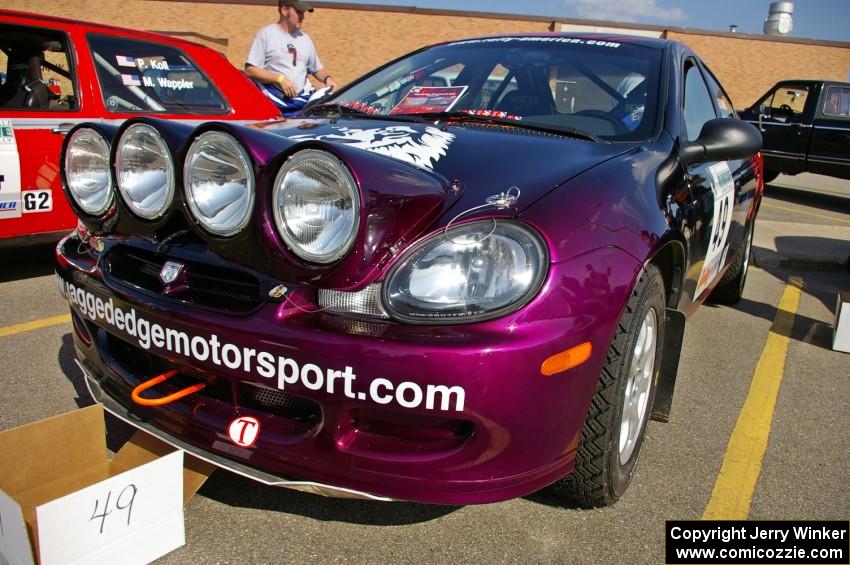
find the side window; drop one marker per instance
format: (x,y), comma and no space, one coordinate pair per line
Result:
(138,76)
(35,71)
(785,101)
(836,102)
(724,104)
(698,106)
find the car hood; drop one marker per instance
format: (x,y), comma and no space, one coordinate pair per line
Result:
(413,178)
(477,160)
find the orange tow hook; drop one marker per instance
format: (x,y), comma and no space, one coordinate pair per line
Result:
(136,395)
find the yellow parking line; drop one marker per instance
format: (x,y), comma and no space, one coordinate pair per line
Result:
(35,325)
(739,472)
(835,218)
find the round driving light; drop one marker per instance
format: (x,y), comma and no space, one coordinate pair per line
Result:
(87,171)
(316,206)
(219,183)
(144,171)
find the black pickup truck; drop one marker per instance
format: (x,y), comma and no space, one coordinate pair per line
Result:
(806,128)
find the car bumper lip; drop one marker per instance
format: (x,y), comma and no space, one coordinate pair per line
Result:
(515,434)
(269,479)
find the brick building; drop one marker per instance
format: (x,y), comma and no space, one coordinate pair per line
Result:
(353,38)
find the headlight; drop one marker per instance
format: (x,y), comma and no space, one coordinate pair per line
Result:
(87,171)
(474,272)
(144,171)
(316,206)
(219,183)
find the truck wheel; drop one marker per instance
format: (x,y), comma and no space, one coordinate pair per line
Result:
(769,176)
(616,421)
(730,289)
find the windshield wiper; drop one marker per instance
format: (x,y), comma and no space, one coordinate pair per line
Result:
(462,116)
(336,110)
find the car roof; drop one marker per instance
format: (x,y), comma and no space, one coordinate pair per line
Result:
(36,19)
(813,82)
(635,40)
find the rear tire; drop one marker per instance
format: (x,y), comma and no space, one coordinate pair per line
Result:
(730,289)
(614,429)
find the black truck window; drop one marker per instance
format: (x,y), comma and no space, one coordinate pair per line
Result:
(785,101)
(836,102)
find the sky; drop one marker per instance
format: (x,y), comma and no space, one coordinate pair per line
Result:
(813,19)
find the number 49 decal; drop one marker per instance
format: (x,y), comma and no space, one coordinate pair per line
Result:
(37,201)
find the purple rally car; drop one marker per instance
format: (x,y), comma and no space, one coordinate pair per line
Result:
(461,279)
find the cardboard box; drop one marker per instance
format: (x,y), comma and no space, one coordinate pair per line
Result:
(63,501)
(841,327)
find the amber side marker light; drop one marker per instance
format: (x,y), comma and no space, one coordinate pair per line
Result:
(572,357)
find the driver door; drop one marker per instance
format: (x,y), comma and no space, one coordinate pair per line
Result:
(785,135)
(32,127)
(716,215)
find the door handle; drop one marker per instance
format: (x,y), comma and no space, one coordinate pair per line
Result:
(62,129)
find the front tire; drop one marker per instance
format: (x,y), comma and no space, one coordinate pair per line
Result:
(615,426)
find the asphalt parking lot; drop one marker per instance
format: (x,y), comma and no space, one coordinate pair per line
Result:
(777,339)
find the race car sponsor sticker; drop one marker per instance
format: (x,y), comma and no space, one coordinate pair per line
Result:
(10,173)
(541,39)
(35,201)
(723,192)
(420,147)
(262,361)
(244,431)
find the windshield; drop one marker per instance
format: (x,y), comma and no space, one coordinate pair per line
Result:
(604,88)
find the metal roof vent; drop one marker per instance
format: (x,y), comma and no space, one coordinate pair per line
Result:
(779,18)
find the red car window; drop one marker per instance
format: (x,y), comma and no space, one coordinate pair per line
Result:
(35,73)
(140,76)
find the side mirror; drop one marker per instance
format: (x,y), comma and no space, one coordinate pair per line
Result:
(722,139)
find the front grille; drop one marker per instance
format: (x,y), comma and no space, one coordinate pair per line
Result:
(210,286)
(279,403)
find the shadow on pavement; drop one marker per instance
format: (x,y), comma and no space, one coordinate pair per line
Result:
(824,285)
(829,202)
(816,253)
(234,490)
(26,262)
(805,329)
(117,431)
(547,497)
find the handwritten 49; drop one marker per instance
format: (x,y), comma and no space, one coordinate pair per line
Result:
(124,502)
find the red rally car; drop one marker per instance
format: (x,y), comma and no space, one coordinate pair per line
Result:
(56,73)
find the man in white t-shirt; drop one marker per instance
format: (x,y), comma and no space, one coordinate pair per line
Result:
(282,56)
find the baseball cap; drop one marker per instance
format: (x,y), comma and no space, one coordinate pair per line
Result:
(297,4)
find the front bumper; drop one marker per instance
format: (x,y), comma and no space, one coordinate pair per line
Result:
(456,414)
